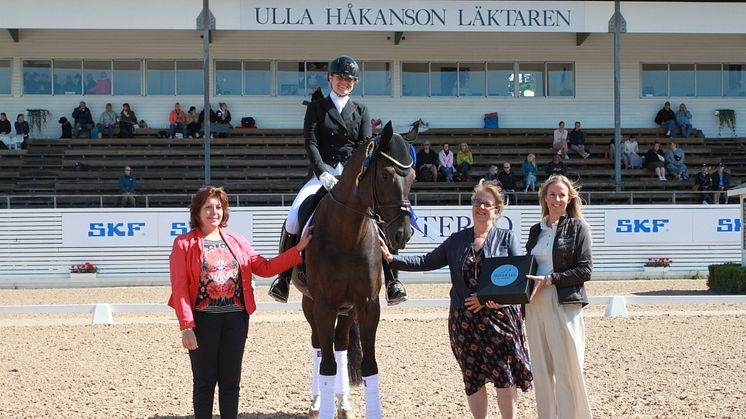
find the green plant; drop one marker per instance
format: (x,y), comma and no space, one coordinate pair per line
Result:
(727,118)
(658,262)
(728,277)
(84,268)
(38,119)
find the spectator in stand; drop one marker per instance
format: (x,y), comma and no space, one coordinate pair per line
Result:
(201,120)
(703,183)
(631,158)
(576,137)
(83,120)
(529,170)
(5,127)
(127,187)
(612,150)
(90,82)
(222,124)
(676,162)
(683,120)
(192,123)
(427,162)
(108,121)
(666,118)
(22,127)
(464,161)
(491,176)
(720,184)
(102,86)
(655,161)
(127,121)
(559,144)
(509,184)
(556,166)
(445,159)
(177,121)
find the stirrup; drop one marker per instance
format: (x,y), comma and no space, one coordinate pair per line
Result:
(399,291)
(280,288)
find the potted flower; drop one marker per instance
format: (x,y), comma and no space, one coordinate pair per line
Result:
(83,271)
(657,265)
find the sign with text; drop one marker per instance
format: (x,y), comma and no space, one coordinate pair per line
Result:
(440,223)
(133,228)
(672,225)
(412,16)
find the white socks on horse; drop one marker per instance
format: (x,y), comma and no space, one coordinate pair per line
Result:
(315,391)
(326,384)
(372,397)
(342,380)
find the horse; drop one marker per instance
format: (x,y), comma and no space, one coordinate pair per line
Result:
(344,264)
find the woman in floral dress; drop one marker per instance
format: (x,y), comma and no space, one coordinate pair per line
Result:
(488,343)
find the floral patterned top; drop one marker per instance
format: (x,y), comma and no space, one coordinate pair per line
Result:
(220,288)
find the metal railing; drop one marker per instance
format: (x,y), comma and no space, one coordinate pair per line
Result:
(285,199)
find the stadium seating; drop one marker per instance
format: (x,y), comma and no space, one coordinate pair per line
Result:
(258,165)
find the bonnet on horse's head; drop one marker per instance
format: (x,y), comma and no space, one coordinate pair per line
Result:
(396,149)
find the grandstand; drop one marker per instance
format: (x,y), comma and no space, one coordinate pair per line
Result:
(267,166)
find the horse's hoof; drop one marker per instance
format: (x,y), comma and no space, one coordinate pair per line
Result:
(343,413)
(313,414)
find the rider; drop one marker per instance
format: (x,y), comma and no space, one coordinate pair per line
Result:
(333,128)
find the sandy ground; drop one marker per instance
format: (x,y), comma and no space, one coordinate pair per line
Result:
(661,362)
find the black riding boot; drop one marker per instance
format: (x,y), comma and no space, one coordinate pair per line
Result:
(395,291)
(280,288)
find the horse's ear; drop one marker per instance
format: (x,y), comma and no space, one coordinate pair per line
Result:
(386,134)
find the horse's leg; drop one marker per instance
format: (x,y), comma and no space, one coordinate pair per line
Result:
(342,381)
(324,319)
(368,317)
(313,410)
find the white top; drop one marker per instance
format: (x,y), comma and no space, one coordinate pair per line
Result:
(559,136)
(543,249)
(446,160)
(339,102)
(630,147)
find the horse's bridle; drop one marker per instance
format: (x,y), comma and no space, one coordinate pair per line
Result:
(374,213)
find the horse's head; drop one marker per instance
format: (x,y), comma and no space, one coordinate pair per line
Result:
(387,181)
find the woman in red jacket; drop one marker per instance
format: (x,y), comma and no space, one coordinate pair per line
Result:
(213,295)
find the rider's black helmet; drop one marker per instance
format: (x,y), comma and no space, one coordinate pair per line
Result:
(344,66)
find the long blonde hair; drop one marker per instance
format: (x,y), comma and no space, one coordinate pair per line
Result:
(574,203)
(487,186)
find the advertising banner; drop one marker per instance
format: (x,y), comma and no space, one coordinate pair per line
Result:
(437,224)
(672,225)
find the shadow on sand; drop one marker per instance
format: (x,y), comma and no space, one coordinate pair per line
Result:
(679,292)
(273,415)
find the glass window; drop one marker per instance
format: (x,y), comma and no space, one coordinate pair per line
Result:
(160,77)
(500,79)
(560,79)
(708,79)
(414,79)
(316,77)
(190,78)
(444,79)
(530,79)
(734,80)
(127,78)
(37,77)
(257,78)
(290,78)
(376,79)
(68,77)
(471,79)
(227,78)
(682,79)
(97,77)
(655,79)
(4,77)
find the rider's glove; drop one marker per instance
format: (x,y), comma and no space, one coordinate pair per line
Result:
(328,180)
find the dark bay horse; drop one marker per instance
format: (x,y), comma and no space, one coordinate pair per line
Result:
(343,262)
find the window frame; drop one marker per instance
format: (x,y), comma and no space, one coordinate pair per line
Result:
(10,76)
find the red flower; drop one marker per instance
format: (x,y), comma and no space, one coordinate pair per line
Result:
(214,290)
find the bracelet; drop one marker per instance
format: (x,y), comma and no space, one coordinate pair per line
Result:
(188,328)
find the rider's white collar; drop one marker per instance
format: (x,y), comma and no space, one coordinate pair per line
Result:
(339,102)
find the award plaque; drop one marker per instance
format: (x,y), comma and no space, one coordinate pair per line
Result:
(503,279)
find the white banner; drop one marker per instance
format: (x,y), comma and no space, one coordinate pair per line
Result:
(137,228)
(439,223)
(672,225)
(414,16)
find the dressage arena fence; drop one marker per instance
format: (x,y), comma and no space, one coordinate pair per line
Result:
(616,305)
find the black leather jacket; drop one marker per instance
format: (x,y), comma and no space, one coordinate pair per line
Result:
(571,256)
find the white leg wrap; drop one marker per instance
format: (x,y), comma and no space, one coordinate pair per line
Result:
(316,359)
(342,383)
(326,383)
(372,397)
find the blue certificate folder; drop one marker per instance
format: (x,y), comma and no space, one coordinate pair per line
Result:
(503,279)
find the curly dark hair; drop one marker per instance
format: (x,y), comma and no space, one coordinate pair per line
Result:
(198,200)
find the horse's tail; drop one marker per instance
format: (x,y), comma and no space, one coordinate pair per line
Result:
(355,356)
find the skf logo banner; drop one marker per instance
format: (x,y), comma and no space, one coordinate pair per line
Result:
(135,228)
(672,225)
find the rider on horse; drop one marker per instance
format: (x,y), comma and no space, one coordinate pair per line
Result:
(333,128)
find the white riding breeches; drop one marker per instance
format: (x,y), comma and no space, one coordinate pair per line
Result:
(310,188)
